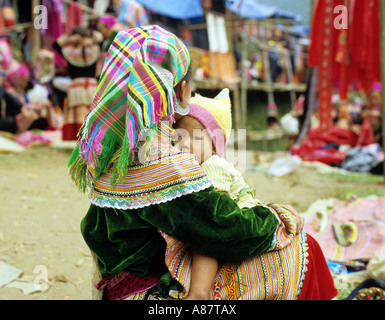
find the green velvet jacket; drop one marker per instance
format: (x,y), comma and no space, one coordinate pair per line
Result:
(208,222)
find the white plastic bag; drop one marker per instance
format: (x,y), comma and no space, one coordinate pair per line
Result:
(284,165)
(290,124)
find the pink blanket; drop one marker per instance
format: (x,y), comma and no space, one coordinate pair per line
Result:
(369,216)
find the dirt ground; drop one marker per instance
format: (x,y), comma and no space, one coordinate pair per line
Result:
(41,210)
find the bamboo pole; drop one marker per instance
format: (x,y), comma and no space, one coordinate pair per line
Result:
(243,79)
(290,75)
(236,97)
(382,55)
(35,35)
(313,4)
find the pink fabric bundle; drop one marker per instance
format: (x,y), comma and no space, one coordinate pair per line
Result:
(14,74)
(108,20)
(377,86)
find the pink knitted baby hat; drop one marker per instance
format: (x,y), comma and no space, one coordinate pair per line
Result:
(215,116)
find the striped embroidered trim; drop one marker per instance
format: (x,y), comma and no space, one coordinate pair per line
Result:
(302,267)
(153,182)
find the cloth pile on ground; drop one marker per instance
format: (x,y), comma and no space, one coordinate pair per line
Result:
(326,147)
(351,234)
(368,216)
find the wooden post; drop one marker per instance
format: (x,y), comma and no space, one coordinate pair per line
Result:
(268,77)
(244,58)
(382,62)
(290,76)
(35,35)
(236,99)
(312,7)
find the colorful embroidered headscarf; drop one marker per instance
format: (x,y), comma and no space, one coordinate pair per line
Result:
(135,92)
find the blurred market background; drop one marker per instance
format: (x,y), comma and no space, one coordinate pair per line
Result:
(258,49)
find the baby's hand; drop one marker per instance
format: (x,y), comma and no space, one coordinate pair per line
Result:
(300,220)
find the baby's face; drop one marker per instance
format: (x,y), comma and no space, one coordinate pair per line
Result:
(192,137)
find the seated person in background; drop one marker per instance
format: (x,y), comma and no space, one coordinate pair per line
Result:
(20,114)
(373,111)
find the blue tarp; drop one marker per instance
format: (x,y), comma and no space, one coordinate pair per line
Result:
(251,9)
(301,29)
(188,9)
(178,9)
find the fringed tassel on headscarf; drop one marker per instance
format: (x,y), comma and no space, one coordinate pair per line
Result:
(165,111)
(122,161)
(171,102)
(105,150)
(77,169)
(100,157)
(91,146)
(105,159)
